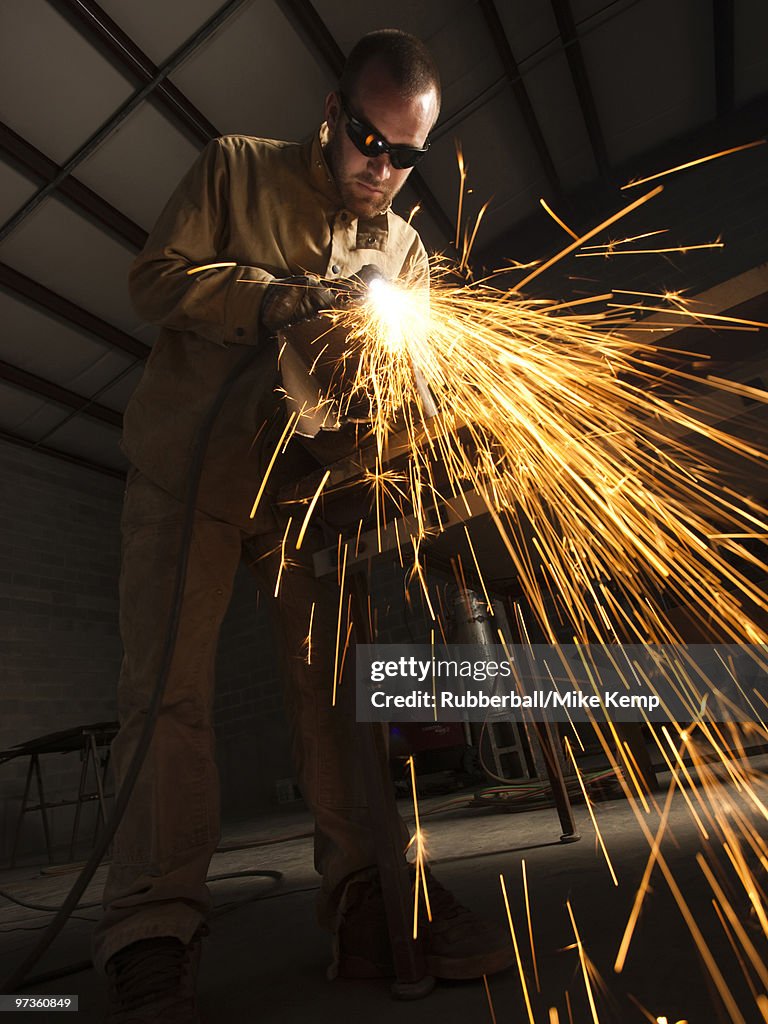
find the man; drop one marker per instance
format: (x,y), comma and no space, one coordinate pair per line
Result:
(223,271)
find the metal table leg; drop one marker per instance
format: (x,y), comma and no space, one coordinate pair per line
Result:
(557,782)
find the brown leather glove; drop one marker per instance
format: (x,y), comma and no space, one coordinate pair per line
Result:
(287,300)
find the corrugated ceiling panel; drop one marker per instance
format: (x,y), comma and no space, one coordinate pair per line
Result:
(71,256)
(91,440)
(116,396)
(55,88)
(50,348)
(651,72)
(347,22)
(27,415)
(159,28)
(256,77)
(550,89)
(750,50)
(140,164)
(103,378)
(15,189)
(431,235)
(487,148)
(533,36)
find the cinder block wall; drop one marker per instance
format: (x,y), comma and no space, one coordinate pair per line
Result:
(59,644)
(60,648)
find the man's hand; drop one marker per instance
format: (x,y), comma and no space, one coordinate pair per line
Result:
(287,300)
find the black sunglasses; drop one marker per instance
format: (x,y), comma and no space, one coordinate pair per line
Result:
(371,143)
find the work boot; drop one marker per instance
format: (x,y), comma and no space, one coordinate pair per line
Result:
(458,945)
(153,981)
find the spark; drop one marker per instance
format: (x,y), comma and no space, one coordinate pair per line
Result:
(556,424)
(462,183)
(471,241)
(347,638)
(530,927)
(643,887)
(308,640)
(289,428)
(634,773)
(520,970)
(583,961)
(588,802)
(209,266)
(488,602)
(736,951)
(342,575)
(557,220)
(699,316)
(691,163)
(282,556)
(624,241)
(747,945)
(418,842)
(634,252)
(590,234)
(311,509)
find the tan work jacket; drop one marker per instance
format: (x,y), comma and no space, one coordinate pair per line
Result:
(273,209)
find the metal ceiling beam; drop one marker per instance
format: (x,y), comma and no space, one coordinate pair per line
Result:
(35,385)
(507,58)
(319,40)
(724,32)
(570,39)
(97,26)
(316,35)
(39,295)
(30,160)
(56,453)
(123,112)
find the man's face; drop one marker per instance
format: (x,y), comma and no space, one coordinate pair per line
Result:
(369,184)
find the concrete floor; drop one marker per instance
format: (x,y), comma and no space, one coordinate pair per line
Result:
(265,960)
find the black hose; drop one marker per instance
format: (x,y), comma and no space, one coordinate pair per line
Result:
(14,982)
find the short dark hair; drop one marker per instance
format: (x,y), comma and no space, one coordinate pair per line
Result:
(404,57)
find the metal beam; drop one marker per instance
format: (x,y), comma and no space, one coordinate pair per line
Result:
(31,161)
(39,295)
(507,58)
(723,31)
(124,111)
(570,39)
(319,40)
(56,453)
(55,392)
(97,26)
(316,35)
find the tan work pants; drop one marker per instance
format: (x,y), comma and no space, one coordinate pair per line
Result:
(156,883)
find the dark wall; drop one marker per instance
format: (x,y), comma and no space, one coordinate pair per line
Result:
(59,643)
(60,647)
